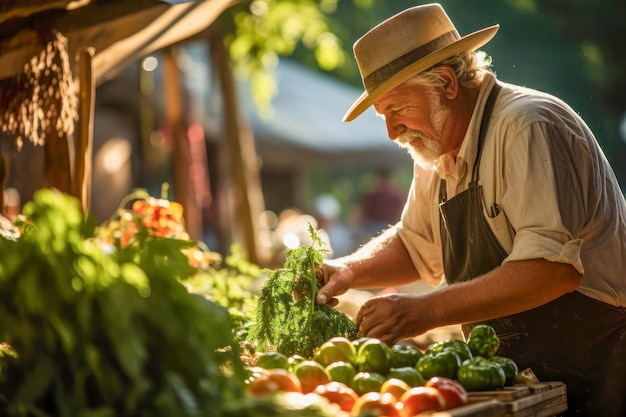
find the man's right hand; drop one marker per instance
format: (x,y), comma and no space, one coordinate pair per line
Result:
(336,278)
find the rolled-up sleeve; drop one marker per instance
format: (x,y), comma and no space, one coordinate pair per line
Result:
(532,203)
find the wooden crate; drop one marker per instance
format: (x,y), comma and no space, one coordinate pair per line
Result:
(543,399)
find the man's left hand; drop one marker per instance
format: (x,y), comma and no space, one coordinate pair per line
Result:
(392,317)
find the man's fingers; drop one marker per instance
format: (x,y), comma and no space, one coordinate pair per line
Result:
(333,302)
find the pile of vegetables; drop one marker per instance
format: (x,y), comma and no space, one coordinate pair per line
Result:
(365,376)
(474,364)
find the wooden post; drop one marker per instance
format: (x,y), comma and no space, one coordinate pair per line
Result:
(175,113)
(57,166)
(248,202)
(84,133)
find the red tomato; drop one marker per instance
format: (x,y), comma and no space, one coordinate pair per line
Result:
(274,380)
(382,404)
(454,394)
(420,399)
(338,393)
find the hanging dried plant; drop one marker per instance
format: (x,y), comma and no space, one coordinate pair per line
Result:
(42,98)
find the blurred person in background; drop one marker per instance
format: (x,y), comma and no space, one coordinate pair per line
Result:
(328,215)
(379,207)
(512,203)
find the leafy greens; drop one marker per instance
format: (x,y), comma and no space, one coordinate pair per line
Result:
(287,318)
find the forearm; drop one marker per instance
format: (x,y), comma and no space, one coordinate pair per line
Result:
(512,288)
(382,262)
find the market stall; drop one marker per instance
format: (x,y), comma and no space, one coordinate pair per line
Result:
(71,47)
(137,317)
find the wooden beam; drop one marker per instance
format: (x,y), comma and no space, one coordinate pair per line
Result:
(97,25)
(84,133)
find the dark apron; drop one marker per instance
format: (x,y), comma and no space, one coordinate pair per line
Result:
(574,339)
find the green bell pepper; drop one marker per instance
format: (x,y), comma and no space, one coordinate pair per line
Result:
(510,368)
(483,341)
(455,345)
(403,355)
(445,363)
(481,374)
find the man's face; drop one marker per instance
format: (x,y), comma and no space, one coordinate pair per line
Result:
(415,117)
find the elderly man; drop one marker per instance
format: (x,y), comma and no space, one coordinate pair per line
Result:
(513,206)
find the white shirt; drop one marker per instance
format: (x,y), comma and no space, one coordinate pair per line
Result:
(558,197)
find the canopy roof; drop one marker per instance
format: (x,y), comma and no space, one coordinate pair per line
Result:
(307,127)
(119,31)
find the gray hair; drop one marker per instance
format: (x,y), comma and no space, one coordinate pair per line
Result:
(469,67)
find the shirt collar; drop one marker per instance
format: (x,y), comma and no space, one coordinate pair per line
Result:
(446,167)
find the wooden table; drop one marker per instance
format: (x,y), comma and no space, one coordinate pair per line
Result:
(544,399)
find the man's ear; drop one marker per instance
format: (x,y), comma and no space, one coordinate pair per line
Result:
(451,84)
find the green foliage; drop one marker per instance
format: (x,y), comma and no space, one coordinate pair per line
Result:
(232,286)
(264,29)
(287,318)
(95,332)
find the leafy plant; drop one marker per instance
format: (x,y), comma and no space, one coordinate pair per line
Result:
(287,318)
(233,285)
(90,331)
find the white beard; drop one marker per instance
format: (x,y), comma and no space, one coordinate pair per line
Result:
(424,149)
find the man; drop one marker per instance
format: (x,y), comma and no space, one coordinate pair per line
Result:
(513,204)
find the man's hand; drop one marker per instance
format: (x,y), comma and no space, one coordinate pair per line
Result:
(336,278)
(392,317)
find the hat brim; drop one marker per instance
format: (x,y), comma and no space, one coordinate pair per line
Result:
(469,42)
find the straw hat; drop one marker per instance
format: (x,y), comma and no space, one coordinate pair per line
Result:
(405,45)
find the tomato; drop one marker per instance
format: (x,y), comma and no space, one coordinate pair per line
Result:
(311,374)
(294,360)
(454,394)
(364,382)
(395,387)
(378,404)
(336,349)
(341,372)
(358,342)
(374,355)
(273,381)
(272,360)
(420,399)
(254,373)
(338,393)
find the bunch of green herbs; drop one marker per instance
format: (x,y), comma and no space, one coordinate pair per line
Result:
(288,320)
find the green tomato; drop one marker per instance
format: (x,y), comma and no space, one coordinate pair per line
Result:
(336,349)
(408,374)
(374,355)
(341,372)
(272,360)
(364,382)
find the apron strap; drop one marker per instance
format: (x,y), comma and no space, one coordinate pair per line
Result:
(487,112)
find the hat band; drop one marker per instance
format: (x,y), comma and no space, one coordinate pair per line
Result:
(385,72)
